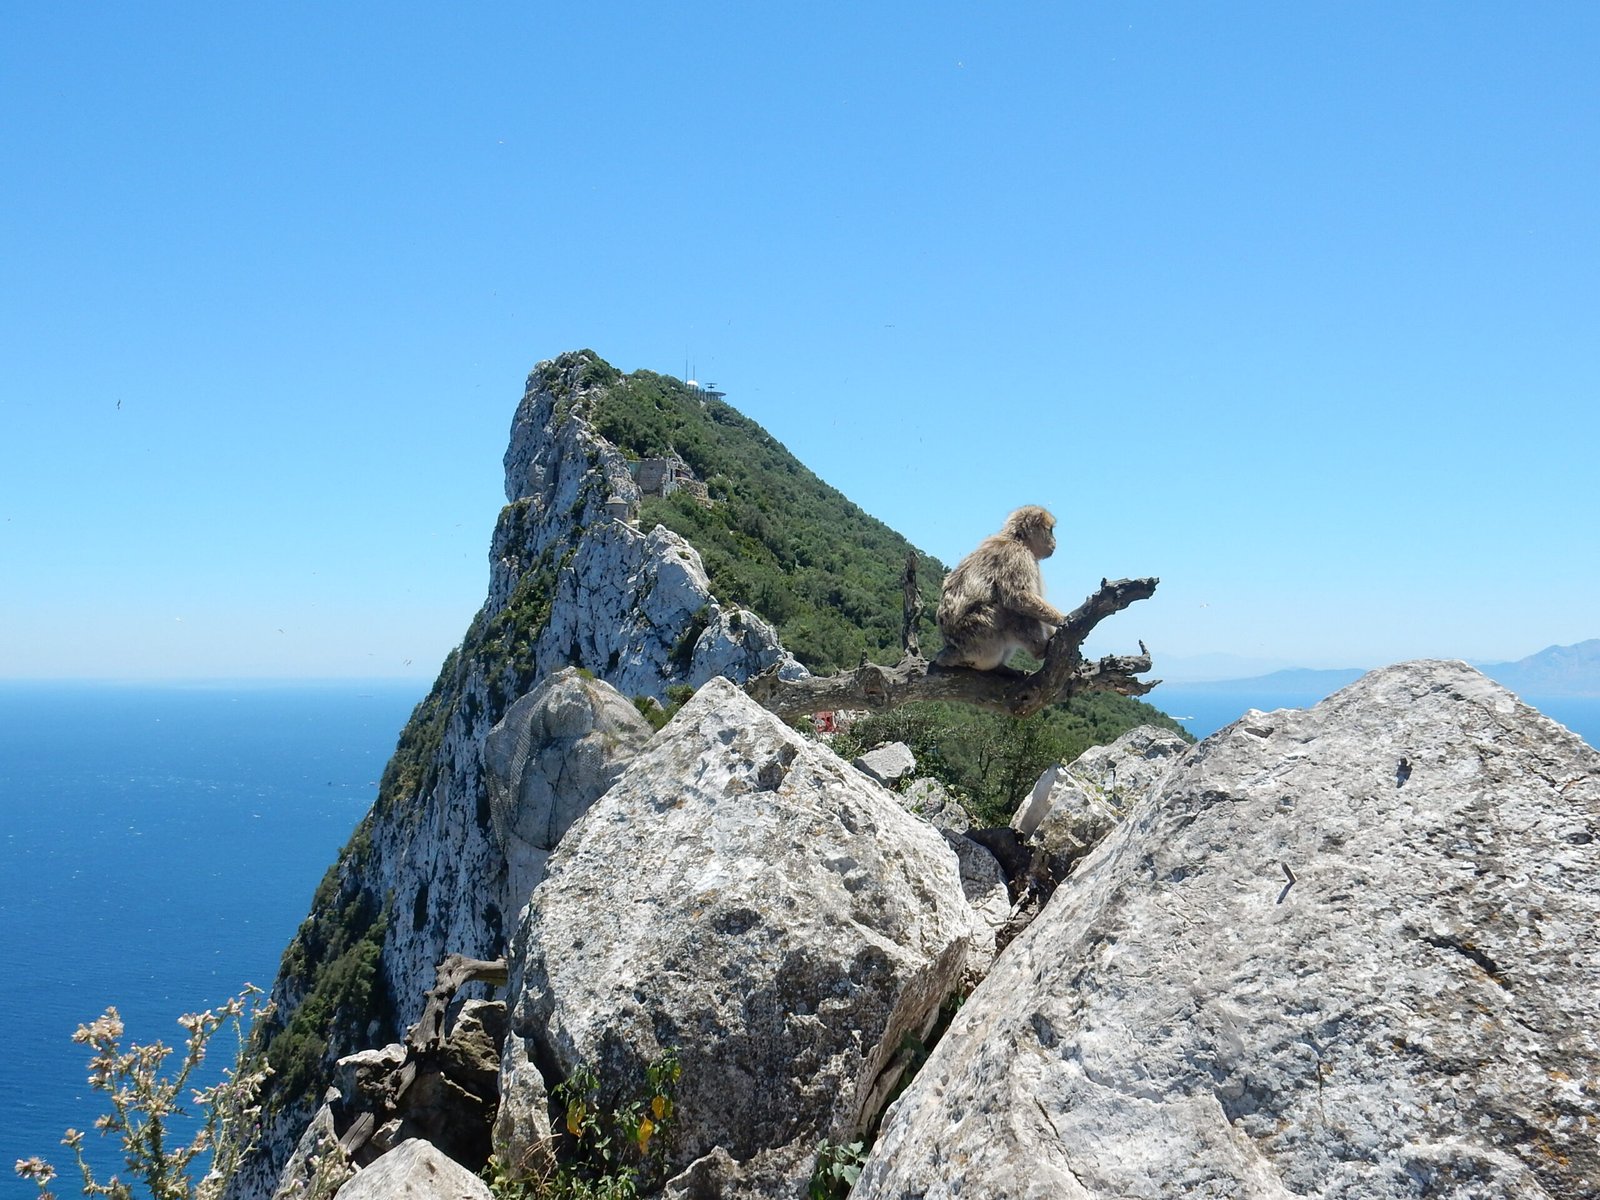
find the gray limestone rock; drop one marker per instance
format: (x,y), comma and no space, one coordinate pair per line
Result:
(1347,952)
(983,882)
(524,1143)
(471,1051)
(929,799)
(445,1094)
(570,585)
(1072,807)
(888,764)
(553,754)
(634,607)
(414,1170)
(637,610)
(743,896)
(318,1167)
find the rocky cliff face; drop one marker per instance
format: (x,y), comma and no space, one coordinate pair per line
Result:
(744,898)
(1347,952)
(427,872)
(1338,953)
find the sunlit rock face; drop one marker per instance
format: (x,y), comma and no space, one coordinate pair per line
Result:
(1074,805)
(621,601)
(1344,952)
(571,587)
(415,1171)
(555,752)
(427,873)
(745,897)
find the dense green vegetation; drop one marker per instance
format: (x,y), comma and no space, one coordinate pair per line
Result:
(336,952)
(780,541)
(777,540)
(992,761)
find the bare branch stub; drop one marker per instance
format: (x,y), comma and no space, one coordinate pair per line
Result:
(453,974)
(1062,659)
(1063,674)
(911,608)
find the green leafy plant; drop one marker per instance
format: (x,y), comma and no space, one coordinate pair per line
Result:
(678,694)
(145,1105)
(838,1167)
(608,1152)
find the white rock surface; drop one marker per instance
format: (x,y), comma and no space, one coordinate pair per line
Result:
(553,754)
(931,801)
(1072,807)
(1346,953)
(888,764)
(744,896)
(623,598)
(984,885)
(414,1170)
(318,1166)
(523,1141)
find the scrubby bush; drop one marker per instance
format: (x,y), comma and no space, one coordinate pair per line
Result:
(606,1151)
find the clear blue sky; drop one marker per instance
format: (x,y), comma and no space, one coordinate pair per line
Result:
(1294,305)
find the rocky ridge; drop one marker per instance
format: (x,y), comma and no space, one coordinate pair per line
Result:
(426,873)
(1345,952)
(1342,952)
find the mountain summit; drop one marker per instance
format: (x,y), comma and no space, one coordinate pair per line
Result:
(1342,952)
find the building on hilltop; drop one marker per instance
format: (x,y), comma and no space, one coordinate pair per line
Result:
(705,391)
(663,476)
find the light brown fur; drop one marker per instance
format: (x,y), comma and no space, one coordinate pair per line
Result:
(993,602)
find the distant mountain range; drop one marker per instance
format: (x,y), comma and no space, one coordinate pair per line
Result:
(1553,671)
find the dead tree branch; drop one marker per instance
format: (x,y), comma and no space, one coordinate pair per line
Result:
(453,974)
(1063,674)
(420,1088)
(910,607)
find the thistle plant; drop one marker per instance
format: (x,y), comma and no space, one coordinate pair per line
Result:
(144,1105)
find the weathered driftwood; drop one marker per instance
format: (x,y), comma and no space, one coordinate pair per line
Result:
(384,1107)
(910,608)
(1063,674)
(451,975)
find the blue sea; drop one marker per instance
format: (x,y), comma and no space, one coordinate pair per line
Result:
(158,848)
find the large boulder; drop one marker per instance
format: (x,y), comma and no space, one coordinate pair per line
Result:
(1074,805)
(553,754)
(742,896)
(415,1170)
(888,763)
(1345,952)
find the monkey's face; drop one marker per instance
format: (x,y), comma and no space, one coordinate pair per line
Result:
(1042,542)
